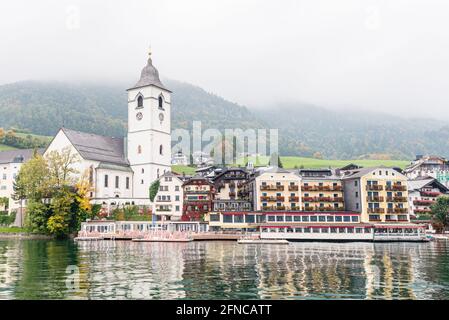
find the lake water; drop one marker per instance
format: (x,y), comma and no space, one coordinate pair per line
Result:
(37,269)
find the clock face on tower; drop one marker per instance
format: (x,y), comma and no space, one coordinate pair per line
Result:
(139,116)
(161,117)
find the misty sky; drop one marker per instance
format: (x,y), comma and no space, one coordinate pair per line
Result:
(390,55)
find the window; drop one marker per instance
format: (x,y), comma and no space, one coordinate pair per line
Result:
(161,102)
(249,219)
(288,218)
(140,102)
(347,219)
(127,182)
(338,219)
(280,218)
(313,218)
(176,198)
(139,149)
(297,218)
(355,219)
(117,182)
(305,218)
(176,188)
(161,149)
(106,182)
(177,208)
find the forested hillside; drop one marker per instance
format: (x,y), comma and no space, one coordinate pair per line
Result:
(304,130)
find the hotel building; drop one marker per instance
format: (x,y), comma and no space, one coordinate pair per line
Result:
(230,192)
(275,189)
(379,194)
(322,190)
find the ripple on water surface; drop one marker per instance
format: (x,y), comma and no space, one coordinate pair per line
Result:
(38,269)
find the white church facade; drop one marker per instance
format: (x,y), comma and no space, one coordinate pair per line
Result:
(121,170)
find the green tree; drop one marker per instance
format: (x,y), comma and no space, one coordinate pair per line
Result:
(440,213)
(154,188)
(33,179)
(275,160)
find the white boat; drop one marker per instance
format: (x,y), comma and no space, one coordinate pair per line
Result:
(162,240)
(262,241)
(343,232)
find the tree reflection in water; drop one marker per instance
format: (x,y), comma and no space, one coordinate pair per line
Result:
(213,270)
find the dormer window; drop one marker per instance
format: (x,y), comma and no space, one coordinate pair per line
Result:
(140,102)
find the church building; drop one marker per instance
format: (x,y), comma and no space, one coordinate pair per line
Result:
(121,170)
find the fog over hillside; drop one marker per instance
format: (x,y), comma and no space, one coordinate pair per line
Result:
(304,129)
(366,55)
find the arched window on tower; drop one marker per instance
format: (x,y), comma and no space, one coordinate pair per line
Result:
(158,173)
(139,149)
(140,102)
(161,102)
(161,150)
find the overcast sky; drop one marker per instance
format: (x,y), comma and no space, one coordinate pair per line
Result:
(390,55)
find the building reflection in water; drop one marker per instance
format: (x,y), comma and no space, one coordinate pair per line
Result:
(227,270)
(129,270)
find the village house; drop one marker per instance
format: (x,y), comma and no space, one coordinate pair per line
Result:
(423,193)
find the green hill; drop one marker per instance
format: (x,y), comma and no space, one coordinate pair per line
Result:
(304,130)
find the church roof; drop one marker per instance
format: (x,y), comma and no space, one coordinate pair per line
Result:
(98,148)
(17,156)
(149,76)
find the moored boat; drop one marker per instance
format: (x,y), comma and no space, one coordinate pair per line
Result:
(262,241)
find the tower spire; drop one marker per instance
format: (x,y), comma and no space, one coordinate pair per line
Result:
(149,54)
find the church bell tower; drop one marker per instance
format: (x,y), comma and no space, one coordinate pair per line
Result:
(149,131)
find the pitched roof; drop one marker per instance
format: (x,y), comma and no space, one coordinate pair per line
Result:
(17,156)
(98,148)
(418,184)
(358,173)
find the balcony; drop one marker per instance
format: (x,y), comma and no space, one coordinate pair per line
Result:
(308,199)
(430,194)
(397,210)
(273,208)
(293,188)
(196,191)
(336,188)
(396,199)
(232,194)
(272,188)
(376,210)
(309,188)
(396,187)
(293,199)
(423,202)
(422,211)
(272,199)
(375,199)
(374,187)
